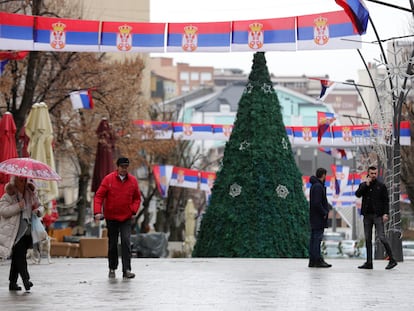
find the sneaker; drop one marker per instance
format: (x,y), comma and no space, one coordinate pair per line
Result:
(391,265)
(128,275)
(367,265)
(111,274)
(27,285)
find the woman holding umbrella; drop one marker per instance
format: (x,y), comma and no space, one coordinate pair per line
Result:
(16,208)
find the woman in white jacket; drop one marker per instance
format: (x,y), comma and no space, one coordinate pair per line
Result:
(16,208)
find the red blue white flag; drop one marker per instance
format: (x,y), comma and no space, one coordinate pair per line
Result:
(305,135)
(325,119)
(276,34)
(184,177)
(16,31)
(207,181)
(327,31)
(341,174)
(155,129)
(5,57)
(132,37)
(81,99)
(59,34)
(221,131)
(338,153)
(357,12)
(199,37)
(162,175)
(189,131)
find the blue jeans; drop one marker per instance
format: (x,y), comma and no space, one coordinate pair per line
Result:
(369,221)
(315,244)
(114,229)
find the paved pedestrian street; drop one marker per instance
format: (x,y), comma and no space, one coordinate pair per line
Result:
(212,284)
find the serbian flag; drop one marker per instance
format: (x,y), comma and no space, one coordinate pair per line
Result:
(277,34)
(162,175)
(81,99)
(184,177)
(207,181)
(305,135)
(5,57)
(157,129)
(341,174)
(16,31)
(132,37)
(357,12)
(190,131)
(199,37)
(325,119)
(338,153)
(60,34)
(222,131)
(327,31)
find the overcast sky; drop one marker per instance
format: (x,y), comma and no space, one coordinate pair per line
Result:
(338,64)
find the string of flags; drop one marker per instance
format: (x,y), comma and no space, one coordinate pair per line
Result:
(339,136)
(321,31)
(340,186)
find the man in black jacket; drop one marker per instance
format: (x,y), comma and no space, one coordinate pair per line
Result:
(375,209)
(318,216)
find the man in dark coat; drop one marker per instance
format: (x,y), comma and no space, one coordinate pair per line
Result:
(375,209)
(318,216)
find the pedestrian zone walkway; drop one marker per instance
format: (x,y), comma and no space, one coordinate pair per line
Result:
(212,284)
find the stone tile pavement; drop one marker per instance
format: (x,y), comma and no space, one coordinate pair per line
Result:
(213,284)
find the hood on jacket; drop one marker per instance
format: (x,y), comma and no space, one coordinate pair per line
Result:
(314,180)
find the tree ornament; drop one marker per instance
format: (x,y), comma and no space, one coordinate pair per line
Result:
(282,191)
(266,88)
(244,145)
(235,190)
(284,144)
(248,89)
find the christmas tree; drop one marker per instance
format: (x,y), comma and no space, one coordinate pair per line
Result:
(258,208)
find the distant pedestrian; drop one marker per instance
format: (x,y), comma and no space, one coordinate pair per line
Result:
(318,216)
(16,208)
(119,197)
(375,209)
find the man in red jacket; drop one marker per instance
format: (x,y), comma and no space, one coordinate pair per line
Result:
(120,198)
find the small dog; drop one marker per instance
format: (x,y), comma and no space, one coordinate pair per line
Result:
(42,247)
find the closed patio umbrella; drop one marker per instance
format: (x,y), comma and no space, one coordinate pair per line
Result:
(8,148)
(104,163)
(39,129)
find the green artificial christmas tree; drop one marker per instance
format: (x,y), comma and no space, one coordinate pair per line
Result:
(257,208)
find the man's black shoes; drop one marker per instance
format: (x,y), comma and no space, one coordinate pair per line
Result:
(391,264)
(367,265)
(319,264)
(14,287)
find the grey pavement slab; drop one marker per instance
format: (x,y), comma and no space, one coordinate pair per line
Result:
(212,284)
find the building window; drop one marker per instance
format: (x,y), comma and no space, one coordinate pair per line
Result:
(206,76)
(184,76)
(194,76)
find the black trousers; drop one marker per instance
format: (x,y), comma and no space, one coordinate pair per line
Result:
(18,259)
(370,221)
(114,229)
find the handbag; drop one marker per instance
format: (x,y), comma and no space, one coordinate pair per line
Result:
(38,230)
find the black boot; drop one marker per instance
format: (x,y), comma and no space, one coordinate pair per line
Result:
(367,265)
(14,287)
(27,284)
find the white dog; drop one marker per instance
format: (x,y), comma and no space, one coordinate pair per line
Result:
(42,247)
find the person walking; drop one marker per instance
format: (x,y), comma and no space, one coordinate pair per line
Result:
(318,216)
(375,209)
(119,197)
(16,207)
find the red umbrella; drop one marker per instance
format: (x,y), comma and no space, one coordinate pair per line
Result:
(8,144)
(29,168)
(104,163)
